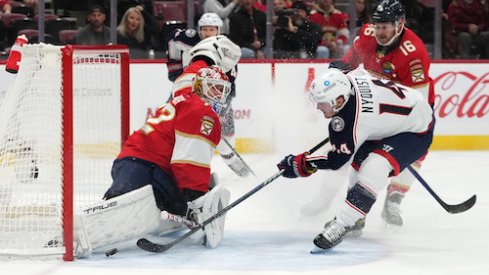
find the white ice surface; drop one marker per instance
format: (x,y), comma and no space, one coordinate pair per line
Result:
(266,234)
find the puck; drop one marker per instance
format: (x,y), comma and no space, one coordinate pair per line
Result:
(111,252)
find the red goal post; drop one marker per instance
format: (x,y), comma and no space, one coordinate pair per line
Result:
(62,122)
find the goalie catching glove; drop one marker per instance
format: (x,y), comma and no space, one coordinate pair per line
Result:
(296,166)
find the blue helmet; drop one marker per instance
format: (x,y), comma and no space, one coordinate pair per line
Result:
(389,11)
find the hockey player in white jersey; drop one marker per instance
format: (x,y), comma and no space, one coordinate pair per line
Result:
(384,127)
(179,46)
(180,49)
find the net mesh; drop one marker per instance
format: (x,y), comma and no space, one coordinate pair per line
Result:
(31,156)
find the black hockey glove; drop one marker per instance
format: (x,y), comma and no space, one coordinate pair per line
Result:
(340,65)
(296,166)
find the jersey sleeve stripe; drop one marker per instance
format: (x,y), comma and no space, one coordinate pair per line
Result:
(203,165)
(192,149)
(198,137)
(183,82)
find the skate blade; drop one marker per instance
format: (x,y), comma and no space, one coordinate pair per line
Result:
(318,250)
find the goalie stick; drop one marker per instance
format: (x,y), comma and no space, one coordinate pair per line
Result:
(158,248)
(450,208)
(239,157)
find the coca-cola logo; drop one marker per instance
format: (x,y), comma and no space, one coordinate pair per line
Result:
(461,94)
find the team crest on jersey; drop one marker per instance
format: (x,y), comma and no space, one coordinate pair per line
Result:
(337,124)
(417,71)
(388,67)
(207,125)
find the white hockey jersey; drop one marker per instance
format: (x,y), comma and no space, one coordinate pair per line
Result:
(385,109)
(377,109)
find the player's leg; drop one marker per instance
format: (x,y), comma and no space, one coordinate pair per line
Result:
(121,218)
(140,190)
(372,177)
(328,190)
(401,183)
(362,153)
(226,149)
(396,191)
(391,156)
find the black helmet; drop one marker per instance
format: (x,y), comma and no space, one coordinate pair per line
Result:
(389,11)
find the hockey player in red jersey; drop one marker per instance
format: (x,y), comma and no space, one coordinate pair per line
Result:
(165,165)
(387,50)
(178,141)
(381,126)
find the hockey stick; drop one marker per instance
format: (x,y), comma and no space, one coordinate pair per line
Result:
(239,157)
(158,248)
(165,215)
(450,208)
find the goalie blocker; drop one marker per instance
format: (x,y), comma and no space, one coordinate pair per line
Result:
(103,225)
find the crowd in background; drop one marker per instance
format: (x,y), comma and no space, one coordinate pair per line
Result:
(301,28)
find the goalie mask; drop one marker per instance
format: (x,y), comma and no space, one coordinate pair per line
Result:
(219,49)
(210,19)
(328,87)
(390,11)
(213,86)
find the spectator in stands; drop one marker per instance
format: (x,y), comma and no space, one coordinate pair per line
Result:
(333,26)
(309,33)
(470,22)
(223,8)
(131,32)
(151,25)
(95,32)
(363,13)
(5,6)
(247,28)
(285,36)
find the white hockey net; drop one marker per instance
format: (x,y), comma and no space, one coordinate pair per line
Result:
(54,157)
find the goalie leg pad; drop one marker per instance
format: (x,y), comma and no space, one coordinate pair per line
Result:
(119,219)
(207,206)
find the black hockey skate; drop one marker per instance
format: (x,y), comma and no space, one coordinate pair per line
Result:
(332,235)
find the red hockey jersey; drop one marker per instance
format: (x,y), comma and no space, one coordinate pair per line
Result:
(406,62)
(181,136)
